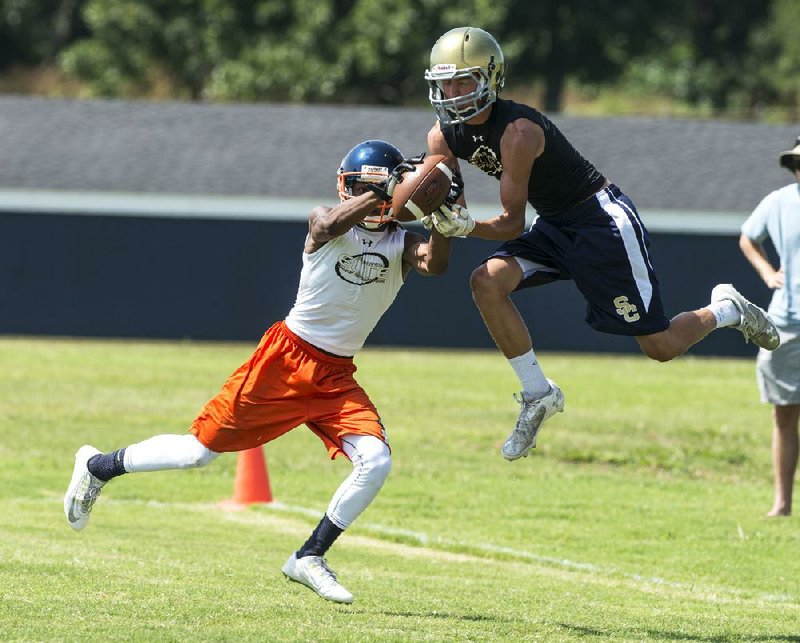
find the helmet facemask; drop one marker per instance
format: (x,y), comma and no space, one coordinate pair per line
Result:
(345,181)
(451,111)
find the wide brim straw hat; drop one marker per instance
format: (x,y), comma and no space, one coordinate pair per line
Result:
(789,157)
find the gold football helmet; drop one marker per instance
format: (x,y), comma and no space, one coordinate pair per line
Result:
(465,52)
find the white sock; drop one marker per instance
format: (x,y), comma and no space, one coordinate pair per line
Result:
(530,374)
(726,313)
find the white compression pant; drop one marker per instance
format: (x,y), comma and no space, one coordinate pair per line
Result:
(371,464)
(370,457)
(167,451)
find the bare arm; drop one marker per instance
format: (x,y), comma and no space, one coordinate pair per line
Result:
(755,254)
(522,143)
(427,257)
(326,223)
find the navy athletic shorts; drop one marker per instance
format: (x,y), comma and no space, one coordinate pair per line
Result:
(602,245)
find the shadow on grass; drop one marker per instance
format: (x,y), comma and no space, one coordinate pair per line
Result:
(658,635)
(441,615)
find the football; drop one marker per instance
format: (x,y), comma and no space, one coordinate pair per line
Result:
(423,190)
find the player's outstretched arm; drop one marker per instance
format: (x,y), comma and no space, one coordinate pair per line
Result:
(326,223)
(427,256)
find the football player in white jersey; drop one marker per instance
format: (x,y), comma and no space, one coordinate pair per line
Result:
(355,259)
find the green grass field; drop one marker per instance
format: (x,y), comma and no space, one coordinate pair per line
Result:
(640,517)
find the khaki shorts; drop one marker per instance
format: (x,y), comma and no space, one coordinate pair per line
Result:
(778,371)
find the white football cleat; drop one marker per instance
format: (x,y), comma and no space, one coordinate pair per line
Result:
(532,415)
(314,573)
(82,491)
(756,324)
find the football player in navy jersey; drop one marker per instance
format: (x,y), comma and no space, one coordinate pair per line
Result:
(587,230)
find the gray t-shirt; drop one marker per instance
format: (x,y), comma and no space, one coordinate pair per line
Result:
(778,217)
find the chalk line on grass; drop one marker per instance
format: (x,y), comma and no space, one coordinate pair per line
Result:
(435,547)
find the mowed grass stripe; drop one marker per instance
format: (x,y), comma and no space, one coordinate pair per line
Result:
(273,517)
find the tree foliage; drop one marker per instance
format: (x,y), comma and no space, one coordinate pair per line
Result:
(135,44)
(784,70)
(328,50)
(586,40)
(726,56)
(34,31)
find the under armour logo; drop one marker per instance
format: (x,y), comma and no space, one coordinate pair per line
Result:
(367,242)
(475,139)
(625,309)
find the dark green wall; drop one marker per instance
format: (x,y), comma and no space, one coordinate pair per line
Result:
(153,277)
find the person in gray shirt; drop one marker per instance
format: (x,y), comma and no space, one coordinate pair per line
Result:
(777,217)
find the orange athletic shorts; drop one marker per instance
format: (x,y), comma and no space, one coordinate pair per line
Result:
(287,382)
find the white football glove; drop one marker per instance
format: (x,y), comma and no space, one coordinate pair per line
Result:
(450,221)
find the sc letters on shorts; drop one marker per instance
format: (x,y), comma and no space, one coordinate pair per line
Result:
(625,309)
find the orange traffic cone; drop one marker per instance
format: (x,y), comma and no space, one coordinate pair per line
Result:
(251,484)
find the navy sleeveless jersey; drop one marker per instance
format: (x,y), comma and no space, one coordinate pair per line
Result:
(560,178)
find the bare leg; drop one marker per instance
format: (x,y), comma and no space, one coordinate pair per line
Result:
(685,330)
(492,283)
(784,456)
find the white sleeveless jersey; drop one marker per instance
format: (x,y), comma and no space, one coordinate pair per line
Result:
(346,286)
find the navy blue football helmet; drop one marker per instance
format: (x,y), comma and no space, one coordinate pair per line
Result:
(369,162)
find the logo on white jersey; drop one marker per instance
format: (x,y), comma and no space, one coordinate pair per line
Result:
(366,268)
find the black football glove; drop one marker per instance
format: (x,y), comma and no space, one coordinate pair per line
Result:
(456,189)
(385,189)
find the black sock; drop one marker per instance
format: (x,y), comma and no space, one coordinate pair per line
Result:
(321,539)
(107,465)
